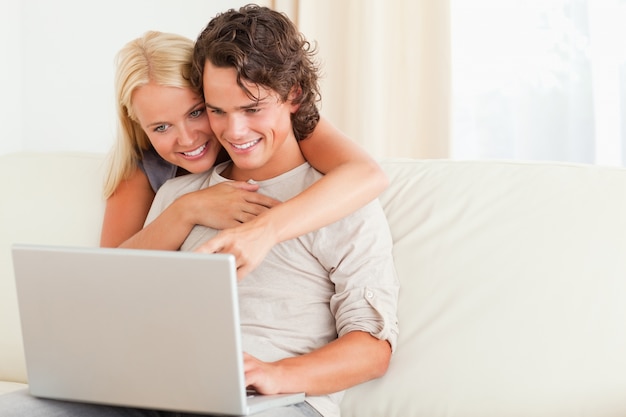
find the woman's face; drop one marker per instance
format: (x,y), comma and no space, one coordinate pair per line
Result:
(177,125)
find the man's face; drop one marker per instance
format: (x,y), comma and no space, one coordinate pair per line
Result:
(257,133)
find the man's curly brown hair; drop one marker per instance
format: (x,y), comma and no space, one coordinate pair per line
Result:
(266,49)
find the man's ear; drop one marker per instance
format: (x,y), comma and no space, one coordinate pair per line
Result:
(294,95)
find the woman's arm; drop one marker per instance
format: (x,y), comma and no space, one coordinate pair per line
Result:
(221,206)
(126,210)
(352,180)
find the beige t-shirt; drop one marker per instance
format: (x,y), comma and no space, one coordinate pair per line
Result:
(312,289)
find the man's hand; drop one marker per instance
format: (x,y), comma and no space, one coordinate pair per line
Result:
(262,376)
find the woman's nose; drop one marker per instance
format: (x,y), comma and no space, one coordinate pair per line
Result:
(187,136)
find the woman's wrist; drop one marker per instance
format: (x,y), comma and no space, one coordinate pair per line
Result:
(183,210)
(271,224)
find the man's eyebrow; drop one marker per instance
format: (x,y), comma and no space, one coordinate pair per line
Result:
(253,104)
(210,106)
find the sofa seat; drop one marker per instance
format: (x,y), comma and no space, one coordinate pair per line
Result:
(7,386)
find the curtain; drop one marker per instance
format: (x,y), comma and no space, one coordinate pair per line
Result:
(474,79)
(385,71)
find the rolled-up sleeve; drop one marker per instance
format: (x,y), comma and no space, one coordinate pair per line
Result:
(362,270)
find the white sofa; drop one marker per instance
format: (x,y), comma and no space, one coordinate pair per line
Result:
(513,275)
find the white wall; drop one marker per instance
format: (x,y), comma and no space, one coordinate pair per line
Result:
(56,65)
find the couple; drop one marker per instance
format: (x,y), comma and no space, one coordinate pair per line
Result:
(318,310)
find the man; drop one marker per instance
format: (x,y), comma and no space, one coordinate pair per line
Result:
(319,313)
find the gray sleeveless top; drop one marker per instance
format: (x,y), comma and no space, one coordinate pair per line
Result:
(157,169)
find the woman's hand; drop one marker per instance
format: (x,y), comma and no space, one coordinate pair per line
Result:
(250,242)
(226,205)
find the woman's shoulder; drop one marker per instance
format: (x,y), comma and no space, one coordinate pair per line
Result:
(157,169)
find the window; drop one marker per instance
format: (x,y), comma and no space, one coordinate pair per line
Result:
(539,79)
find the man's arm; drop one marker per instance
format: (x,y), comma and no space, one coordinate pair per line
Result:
(349,360)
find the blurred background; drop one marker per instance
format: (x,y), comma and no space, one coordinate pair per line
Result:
(460,79)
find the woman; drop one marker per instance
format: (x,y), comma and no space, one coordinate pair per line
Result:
(164,132)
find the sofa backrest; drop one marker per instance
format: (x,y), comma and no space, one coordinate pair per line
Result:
(513,291)
(46,198)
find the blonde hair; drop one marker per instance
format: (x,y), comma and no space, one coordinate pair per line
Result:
(162,58)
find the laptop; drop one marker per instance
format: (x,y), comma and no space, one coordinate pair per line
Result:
(138,328)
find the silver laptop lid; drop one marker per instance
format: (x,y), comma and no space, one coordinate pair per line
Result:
(96,321)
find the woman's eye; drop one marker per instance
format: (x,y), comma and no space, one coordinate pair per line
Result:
(161,128)
(197,113)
